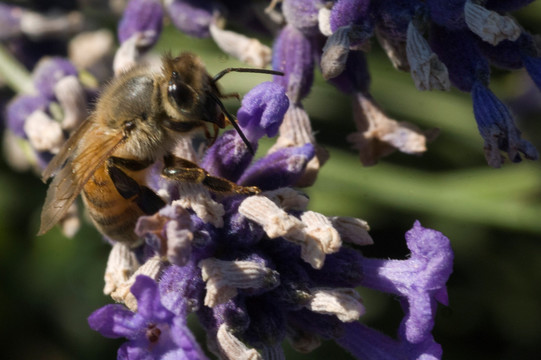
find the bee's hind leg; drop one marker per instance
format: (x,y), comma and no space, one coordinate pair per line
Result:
(128,188)
(184,170)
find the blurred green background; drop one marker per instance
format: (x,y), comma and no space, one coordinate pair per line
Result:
(50,284)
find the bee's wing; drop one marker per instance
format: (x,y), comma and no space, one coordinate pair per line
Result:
(67,149)
(81,155)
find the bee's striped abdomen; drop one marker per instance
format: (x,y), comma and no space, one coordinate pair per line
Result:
(113,215)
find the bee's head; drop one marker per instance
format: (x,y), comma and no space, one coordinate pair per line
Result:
(185,88)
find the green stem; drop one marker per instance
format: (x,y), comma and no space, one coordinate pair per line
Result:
(13,73)
(503,199)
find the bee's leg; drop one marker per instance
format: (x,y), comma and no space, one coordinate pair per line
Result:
(187,171)
(128,188)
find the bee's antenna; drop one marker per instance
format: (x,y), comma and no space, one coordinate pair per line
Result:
(233,122)
(247,70)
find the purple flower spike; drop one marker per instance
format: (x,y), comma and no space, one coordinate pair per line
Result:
(498,129)
(262,111)
(20,108)
(153,331)
(420,279)
(293,54)
(50,71)
(144,18)
(191,17)
(279,169)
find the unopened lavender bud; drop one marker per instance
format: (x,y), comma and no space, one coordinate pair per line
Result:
(142,19)
(191,17)
(199,199)
(44,133)
(48,72)
(489,25)
(152,268)
(343,303)
(288,198)
(248,50)
(20,108)
(427,71)
(352,230)
(232,347)
(275,221)
(72,98)
(319,228)
(225,277)
(122,263)
(335,53)
(37,26)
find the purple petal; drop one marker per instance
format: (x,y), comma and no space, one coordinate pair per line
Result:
(149,304)
(262,110)
(142,17)
(279,169)
(48,72)
(293,54)
(114,321)
(20,108)
(188,348)
(191,17)
(419,279)
(228,157)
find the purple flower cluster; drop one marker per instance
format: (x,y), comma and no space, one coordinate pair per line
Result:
(257,270)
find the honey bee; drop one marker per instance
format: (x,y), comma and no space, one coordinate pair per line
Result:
(136,121)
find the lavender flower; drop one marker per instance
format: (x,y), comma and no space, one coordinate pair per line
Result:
(153,331)
(257,270)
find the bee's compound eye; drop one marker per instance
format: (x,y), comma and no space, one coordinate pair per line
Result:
(178,92)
